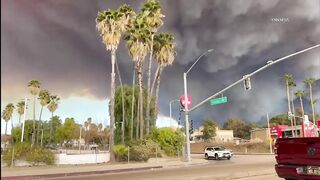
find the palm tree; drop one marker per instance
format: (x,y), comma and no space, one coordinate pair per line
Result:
(44,98)
(7,115)
(288,78)
(291,85)
(111,24)
(52,107)
(137,41)
(164,54)
(153,17)
(300,93)
(86,125)
(99,127)
(20,109)
(89,120)
(34,87)
(310,82)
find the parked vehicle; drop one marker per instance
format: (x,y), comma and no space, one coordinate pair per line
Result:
(217,153)
(298,158)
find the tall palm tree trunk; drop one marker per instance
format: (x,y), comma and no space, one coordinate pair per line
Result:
(51,127)
(289,107)
(34,120)
(5,132)
(11,124)
(132,106)
(157,92)
(293,111)
(39,123)
(301,104)
(112,120)
(152,88)
(312,105)
(122,102)
(148,87)
(140,79)
(137,120)
(19,118)
(302,109)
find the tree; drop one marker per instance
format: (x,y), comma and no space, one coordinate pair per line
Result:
(300,93)
(28,129)
(240,128)
(99,127)
(34,87)
(288,78)
(164,54)
(44,98)
(171,141)
(67,131)
(138,38)
(7,115)
(309,82)
(20,109)
(281,119)
(292,84)
(111,24)
(55,123)
(128,126)
(153,17)
(209,129)
(53,106)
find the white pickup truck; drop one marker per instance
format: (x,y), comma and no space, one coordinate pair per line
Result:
(217,153)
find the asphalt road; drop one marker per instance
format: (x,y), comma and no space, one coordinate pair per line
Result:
(239,167)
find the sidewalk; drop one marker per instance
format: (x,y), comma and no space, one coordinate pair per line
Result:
(37,172)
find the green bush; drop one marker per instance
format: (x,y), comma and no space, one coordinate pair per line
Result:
(170,141)
(20,152)
(120,152)
(40,155)
(23,151)
(142,150)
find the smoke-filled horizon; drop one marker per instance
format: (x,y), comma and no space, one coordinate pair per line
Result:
(57,43)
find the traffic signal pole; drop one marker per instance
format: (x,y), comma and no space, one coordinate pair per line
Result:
(269,63)
(188,156)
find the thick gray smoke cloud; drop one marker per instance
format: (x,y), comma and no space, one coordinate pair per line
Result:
(57,43)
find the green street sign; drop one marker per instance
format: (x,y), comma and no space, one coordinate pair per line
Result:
(218,101)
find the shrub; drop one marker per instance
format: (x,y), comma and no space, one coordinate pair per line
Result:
(142,150)
(40,155)
(120,152)
(170,141)
(23,151)
(20,152)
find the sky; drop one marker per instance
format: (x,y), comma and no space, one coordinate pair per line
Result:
(56,42)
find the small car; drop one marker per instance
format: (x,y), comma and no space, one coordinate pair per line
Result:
(217,153)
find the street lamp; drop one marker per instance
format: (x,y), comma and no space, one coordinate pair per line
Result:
(186,104)
(176,100)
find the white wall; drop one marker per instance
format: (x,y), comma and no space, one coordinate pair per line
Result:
(82,158)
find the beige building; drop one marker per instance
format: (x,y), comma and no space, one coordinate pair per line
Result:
(221,135)
(259,135)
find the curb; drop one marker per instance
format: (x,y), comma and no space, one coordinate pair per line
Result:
(26,177)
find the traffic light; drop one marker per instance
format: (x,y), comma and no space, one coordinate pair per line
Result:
(191,127)
(247,84)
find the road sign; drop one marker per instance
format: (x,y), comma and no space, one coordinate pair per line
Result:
(182,101)
(218,100)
